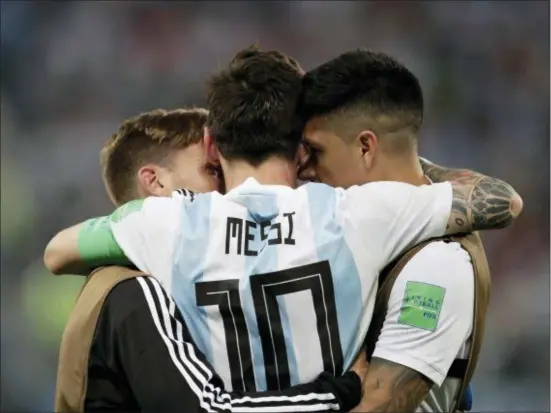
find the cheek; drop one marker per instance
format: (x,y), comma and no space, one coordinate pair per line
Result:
(327,164)
(326,170)
(191,179)
(336,171)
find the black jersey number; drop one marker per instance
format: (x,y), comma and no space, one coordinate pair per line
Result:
(265,289)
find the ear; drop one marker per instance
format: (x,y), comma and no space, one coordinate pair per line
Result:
(211,151)
(305,170)
(369,147)
(302,155)
(149,181)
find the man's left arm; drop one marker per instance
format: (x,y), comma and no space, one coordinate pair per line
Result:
(140,232)
(430,313)
(83,247)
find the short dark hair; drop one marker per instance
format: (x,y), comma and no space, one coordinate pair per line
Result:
(371,84)
(253,106)
(148,137)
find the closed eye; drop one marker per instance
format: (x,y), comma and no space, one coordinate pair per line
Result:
(214,171)
(312,153)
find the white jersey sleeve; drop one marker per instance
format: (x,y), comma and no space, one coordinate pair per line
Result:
(146,231)
(430,311)
(391,217)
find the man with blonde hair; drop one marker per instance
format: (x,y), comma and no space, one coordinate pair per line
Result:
(156,152)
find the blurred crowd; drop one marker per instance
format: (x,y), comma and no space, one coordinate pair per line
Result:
(72,71)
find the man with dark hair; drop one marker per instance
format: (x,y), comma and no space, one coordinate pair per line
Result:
(363,112)
(356,89)
(252,106)
(283,278)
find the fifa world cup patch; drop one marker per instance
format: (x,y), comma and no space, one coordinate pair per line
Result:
(422,305)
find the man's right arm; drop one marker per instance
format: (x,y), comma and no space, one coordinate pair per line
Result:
(479,201)
(393,216)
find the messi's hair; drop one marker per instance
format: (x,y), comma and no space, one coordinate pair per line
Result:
(252,106)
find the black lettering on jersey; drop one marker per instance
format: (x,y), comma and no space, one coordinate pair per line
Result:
(265,230)
(265,290)
(277,239)
(289,240)
(225,294)
(249,237)
(234,229)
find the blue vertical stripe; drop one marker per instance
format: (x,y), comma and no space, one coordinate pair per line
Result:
(331,246)
(262,207)
(265,261)
(189,265)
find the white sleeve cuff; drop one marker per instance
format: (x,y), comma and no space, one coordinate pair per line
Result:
(408,360)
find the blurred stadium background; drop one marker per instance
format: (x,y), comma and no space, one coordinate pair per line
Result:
(72,71)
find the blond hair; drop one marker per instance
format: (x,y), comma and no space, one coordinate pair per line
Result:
(147,138)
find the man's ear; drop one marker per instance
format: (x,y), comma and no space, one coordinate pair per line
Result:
(305,170)
(369,146)
(150,181)
(211,151)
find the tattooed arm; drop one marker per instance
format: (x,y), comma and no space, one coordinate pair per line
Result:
(479,201)
(392,387)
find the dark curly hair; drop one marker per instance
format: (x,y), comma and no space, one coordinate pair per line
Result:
(253,106)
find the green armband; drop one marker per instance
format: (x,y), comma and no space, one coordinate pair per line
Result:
(97,245)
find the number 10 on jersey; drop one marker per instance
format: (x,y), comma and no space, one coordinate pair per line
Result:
(265,290)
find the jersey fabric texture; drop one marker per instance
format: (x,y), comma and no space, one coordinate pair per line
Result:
(278,284)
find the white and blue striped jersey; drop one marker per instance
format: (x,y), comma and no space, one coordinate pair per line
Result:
(278,284)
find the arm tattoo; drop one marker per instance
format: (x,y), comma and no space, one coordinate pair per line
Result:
(391,387)
(479,201)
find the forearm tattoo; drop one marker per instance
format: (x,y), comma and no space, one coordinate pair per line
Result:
(391,387)
(479,202)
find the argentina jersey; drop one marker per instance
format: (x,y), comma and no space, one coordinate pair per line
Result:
(268,286)
(278,284)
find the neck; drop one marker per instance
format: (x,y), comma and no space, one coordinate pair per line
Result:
(405,168)
(273,171)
